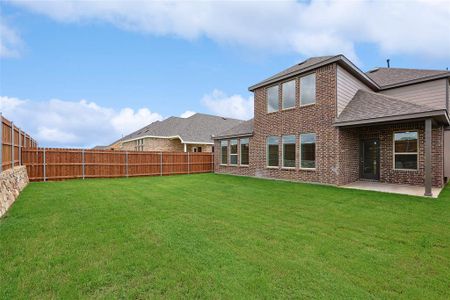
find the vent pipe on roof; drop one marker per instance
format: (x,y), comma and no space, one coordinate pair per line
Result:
(388,63)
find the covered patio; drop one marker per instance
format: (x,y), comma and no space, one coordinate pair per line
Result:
(405,189)
(391,145)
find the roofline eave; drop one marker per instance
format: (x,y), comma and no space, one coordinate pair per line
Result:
(338,58)
(229,136)
(390,119)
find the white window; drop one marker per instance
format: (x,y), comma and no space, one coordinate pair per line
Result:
(244,151)
(405,150)
(233,152)
(139,145)
(288,94)
(308,151)
(272,98)
(224,152)
(308,89)
(288,151)
(272,151)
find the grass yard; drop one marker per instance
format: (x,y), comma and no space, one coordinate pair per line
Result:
(218,236)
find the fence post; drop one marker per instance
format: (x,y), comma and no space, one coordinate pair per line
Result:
(12,145)
(44,166)
(160,164)
(82,159)
(1,142)
(126,163)
(20,147)
(189,164)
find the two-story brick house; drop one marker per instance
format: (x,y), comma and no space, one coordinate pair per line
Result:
(326,121)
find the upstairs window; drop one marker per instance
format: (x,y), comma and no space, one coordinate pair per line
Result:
(224,152)
(244,151)
(233,152)
(308,151)
(272,99)
(308,89)
(288,151)
(405,150)
(272,151)
(288,94)
(139,145)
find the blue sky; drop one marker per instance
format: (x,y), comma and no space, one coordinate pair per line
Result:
(84,73)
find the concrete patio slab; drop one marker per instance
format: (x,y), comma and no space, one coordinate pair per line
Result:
(411,190)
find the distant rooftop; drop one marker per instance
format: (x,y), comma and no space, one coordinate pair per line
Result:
(197,128)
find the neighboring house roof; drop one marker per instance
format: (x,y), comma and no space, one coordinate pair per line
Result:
(390,77)
(243,129)
(369,107)
(198,128)
(101,147)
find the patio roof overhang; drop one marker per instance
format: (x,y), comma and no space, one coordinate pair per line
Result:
(439,117)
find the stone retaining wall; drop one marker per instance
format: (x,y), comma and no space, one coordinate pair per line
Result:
(12,182)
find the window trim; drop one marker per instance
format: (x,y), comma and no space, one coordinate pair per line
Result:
(221,152)
(240,152)
(230,154)
(405,153)
(295,154)
(315,152)
(278,99)
(139,145)
(315,90)
(295,94)
(267,152)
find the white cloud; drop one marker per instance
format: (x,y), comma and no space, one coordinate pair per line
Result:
(10,41)
(187,114)
(234,106)
(309,28)
(59,123)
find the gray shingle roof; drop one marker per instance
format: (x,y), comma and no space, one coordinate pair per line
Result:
(369,105)
(392,76)
(197,128)
(296,68)
(244,128)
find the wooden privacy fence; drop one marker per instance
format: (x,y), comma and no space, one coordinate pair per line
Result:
(58,164)
(12,142)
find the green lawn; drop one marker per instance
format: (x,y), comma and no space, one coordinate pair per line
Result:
(218,236)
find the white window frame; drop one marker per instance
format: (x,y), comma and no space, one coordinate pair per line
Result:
(283,95)
(267,152)
(233,154)
(278,98)
(240,151)
(139,145)
(405,153)
(315,90)
(221,152)
(282,151)
(315,151)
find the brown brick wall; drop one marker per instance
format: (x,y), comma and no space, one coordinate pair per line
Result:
(337,150)
(236,170)
(295,121)
(349,153)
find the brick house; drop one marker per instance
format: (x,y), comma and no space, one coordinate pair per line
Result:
(192,134)
(326,121)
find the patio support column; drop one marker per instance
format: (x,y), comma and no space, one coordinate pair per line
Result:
(428,180)
(185,147)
